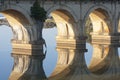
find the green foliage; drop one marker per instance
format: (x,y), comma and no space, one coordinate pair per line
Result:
(38,12)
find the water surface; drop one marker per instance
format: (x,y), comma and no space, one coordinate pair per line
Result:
(49,63)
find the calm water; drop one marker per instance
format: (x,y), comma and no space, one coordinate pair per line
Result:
(6,61)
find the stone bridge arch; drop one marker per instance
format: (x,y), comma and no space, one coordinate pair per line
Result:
(23,9)
(23,26)
(17,22)
(63,7)
(101,19)
(65,19)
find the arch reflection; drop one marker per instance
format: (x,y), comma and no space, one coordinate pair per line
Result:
(100,58)
(71,64)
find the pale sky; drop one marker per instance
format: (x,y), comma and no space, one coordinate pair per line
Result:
(1,14)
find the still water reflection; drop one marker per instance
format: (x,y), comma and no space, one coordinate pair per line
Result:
(28,67)
(6,61)
(41,67)
(71,64)
(51,58)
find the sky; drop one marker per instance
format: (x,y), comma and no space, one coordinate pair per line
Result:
(1,14)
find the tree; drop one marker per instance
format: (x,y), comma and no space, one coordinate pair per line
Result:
(38,12)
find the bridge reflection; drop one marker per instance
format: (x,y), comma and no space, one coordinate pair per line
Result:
(71,64)
(28,67)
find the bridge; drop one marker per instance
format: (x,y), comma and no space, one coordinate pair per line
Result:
(70,17)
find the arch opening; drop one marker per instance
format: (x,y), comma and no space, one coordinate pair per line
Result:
(65,23)
(97,26)
(66,29)
(100,22)
(100,59)
(18,23)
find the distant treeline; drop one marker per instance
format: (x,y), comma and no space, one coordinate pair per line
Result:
(3,22)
